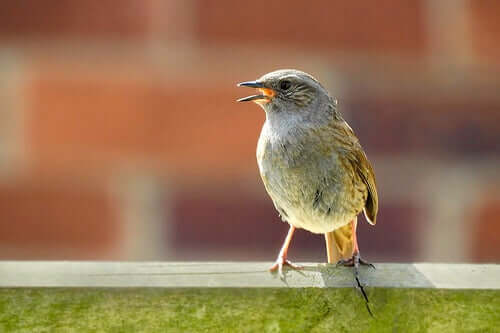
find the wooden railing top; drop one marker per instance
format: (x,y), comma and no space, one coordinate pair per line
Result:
(242,274)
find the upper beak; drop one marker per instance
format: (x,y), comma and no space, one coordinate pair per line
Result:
(251,84)
(266,93)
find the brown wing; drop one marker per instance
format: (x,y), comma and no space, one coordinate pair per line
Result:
(361,166)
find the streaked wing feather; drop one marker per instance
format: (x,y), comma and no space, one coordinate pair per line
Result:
(363,168)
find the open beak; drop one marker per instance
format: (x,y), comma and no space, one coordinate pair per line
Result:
(265,93)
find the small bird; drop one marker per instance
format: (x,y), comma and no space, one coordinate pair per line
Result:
(312,165)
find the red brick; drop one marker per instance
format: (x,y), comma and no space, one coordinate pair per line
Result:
(416,125)
(96,116)
(485,29)
(81,19)
(486,229)
(382,26)
(49,219)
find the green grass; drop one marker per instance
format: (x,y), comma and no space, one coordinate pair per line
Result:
(247,310)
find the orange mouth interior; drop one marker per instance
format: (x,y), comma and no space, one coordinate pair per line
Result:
(266,92)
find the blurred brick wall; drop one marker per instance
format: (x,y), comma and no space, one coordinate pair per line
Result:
(120,137)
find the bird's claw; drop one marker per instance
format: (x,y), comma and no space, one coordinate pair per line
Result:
(354,261)
(278,265)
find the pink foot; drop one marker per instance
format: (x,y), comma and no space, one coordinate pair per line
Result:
(279,263)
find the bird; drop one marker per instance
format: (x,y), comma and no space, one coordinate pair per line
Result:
(312,165)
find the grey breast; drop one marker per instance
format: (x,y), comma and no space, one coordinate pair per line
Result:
(297,175)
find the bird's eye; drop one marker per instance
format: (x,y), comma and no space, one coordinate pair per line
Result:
(285,85)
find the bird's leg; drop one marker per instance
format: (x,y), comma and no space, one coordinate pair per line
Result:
(282,256)
(356,259)
(331,252)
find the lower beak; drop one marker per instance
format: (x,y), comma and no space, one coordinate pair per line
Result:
(252,98)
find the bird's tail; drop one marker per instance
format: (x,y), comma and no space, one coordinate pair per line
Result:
(340,243)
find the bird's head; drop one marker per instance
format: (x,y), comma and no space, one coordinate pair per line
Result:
(288,93)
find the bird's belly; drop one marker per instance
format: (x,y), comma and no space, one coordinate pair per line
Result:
(296,194)
(304,217)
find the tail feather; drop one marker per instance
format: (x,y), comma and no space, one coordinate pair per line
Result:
(340,243)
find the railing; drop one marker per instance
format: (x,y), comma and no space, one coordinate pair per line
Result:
(244,296)
(241,274)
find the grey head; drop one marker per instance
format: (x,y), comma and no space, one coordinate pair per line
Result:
(290,94)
